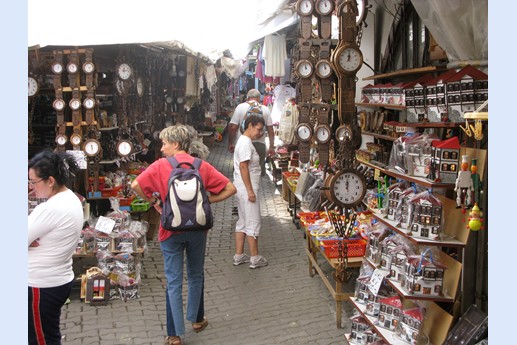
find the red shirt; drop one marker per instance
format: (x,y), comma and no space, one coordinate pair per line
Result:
(155,178)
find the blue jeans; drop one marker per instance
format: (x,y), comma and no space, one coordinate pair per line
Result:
(193,243)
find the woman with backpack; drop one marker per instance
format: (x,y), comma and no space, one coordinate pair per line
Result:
(176,244)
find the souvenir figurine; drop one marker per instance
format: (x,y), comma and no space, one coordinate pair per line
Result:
(464,187)
(475,220)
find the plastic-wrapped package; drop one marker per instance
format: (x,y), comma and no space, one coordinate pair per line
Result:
(375,237)
(128,287)
(139,231)
(399,254)
(361,284)
(410,325)
(426,216)
(124,241)
(424,273)
(102,241)
(87,241)
(397,156)
(389,312)
(393,194)
(122,218)
(419,154)
(401,214)
(105,261)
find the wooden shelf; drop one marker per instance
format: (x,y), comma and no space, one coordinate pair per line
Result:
(436,324)
(405,72)
(380,136)
(382,105)
(422,181)
(433,124)
(455,232)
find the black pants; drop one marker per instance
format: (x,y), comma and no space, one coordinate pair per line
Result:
(261,150)
(45,313)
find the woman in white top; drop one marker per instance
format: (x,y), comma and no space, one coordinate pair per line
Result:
(246,178)
(53,233)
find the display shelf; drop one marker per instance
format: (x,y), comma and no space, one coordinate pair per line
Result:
(405,72)
(382,105)
(379,136)
(422,181)
(453,237)
(450,282)
(436,324)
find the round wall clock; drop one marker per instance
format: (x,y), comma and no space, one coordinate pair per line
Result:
(303,132)
(92,147)
(57,68)
(347,188)
(33,86)
(58,104)
(124,71)
(304,68)
(76,139)
(323,69)
(305,7)
(323,134)
(349,59)
(88,67)
(124,147)
(61,139)
(72,67)
(74,104)
(324,7)
(89,103)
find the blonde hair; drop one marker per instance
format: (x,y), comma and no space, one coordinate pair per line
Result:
(177,134)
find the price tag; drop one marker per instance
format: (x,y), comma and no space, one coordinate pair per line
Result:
(376,280)
(105,225)
(376,174)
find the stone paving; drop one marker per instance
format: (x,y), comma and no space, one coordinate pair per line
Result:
(277,304)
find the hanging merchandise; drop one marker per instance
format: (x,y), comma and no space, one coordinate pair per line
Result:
(274,54)
(281,94)
(288,122)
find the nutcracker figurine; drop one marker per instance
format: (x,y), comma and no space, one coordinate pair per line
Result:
(464,187)
(476,182)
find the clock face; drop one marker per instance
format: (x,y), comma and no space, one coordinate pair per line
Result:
(305,7)
(88,67)
(361,11)
(58,104)
(179,100)
(344,133)
(350,59)
(61,139)
(303,132)
(168,99)
(72,67)
(89,103)
(347,188)
(75,139)
(74,104)
(324,7)
(323,134)
(124,148)
(323,69)
(304,68)
(140,87)
(57,68)
(91,147)
(33,86)
(124,71)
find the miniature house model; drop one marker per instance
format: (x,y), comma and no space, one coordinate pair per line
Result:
(461,91)
(394,192)
(373,250)
(361,332)
(399,257)
(446,159)
(426,216)
(410,325)
(389,312)
(423,276)
(387,245)
(435,97)
(402,212)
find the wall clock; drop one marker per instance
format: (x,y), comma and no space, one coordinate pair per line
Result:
(124,148)
(124,71)
(91,147)
(33,86)
(347,188)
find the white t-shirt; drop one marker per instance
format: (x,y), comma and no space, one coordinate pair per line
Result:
(57,223)
(240,112)
(245,151)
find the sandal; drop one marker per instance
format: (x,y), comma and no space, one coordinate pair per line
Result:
(173,340)
(199,326)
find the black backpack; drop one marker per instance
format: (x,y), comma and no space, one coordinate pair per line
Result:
(254,108)
(186,206)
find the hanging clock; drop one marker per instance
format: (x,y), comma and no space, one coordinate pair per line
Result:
(58,104)
(74,104)
(324,7)
(57,68)
(323,134)
(88,67)
(89,103)
(92,147)
(304,68)
(124,71)
(61,139)
(303,132)
(33,86)
(72,67)
(76,139)
(348,59)
(347,188)
(344,133)
(323,69)
(305,7)
(124,148)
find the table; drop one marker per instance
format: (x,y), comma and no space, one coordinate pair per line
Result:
(312,249)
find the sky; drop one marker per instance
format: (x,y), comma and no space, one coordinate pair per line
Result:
(203,25)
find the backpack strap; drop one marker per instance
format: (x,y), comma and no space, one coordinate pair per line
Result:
(197,163)
(173,161)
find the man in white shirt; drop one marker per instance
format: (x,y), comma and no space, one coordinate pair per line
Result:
(238,117)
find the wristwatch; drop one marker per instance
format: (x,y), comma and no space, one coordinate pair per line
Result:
(73,68)
(75,105)
(89,104)
(324,71)
(324,10)
(305,8)
(88,67)
(303,132)
(323,133)
(304,69)
(57,69)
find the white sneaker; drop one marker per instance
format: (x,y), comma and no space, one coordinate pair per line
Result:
(244,259)
(260,262)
